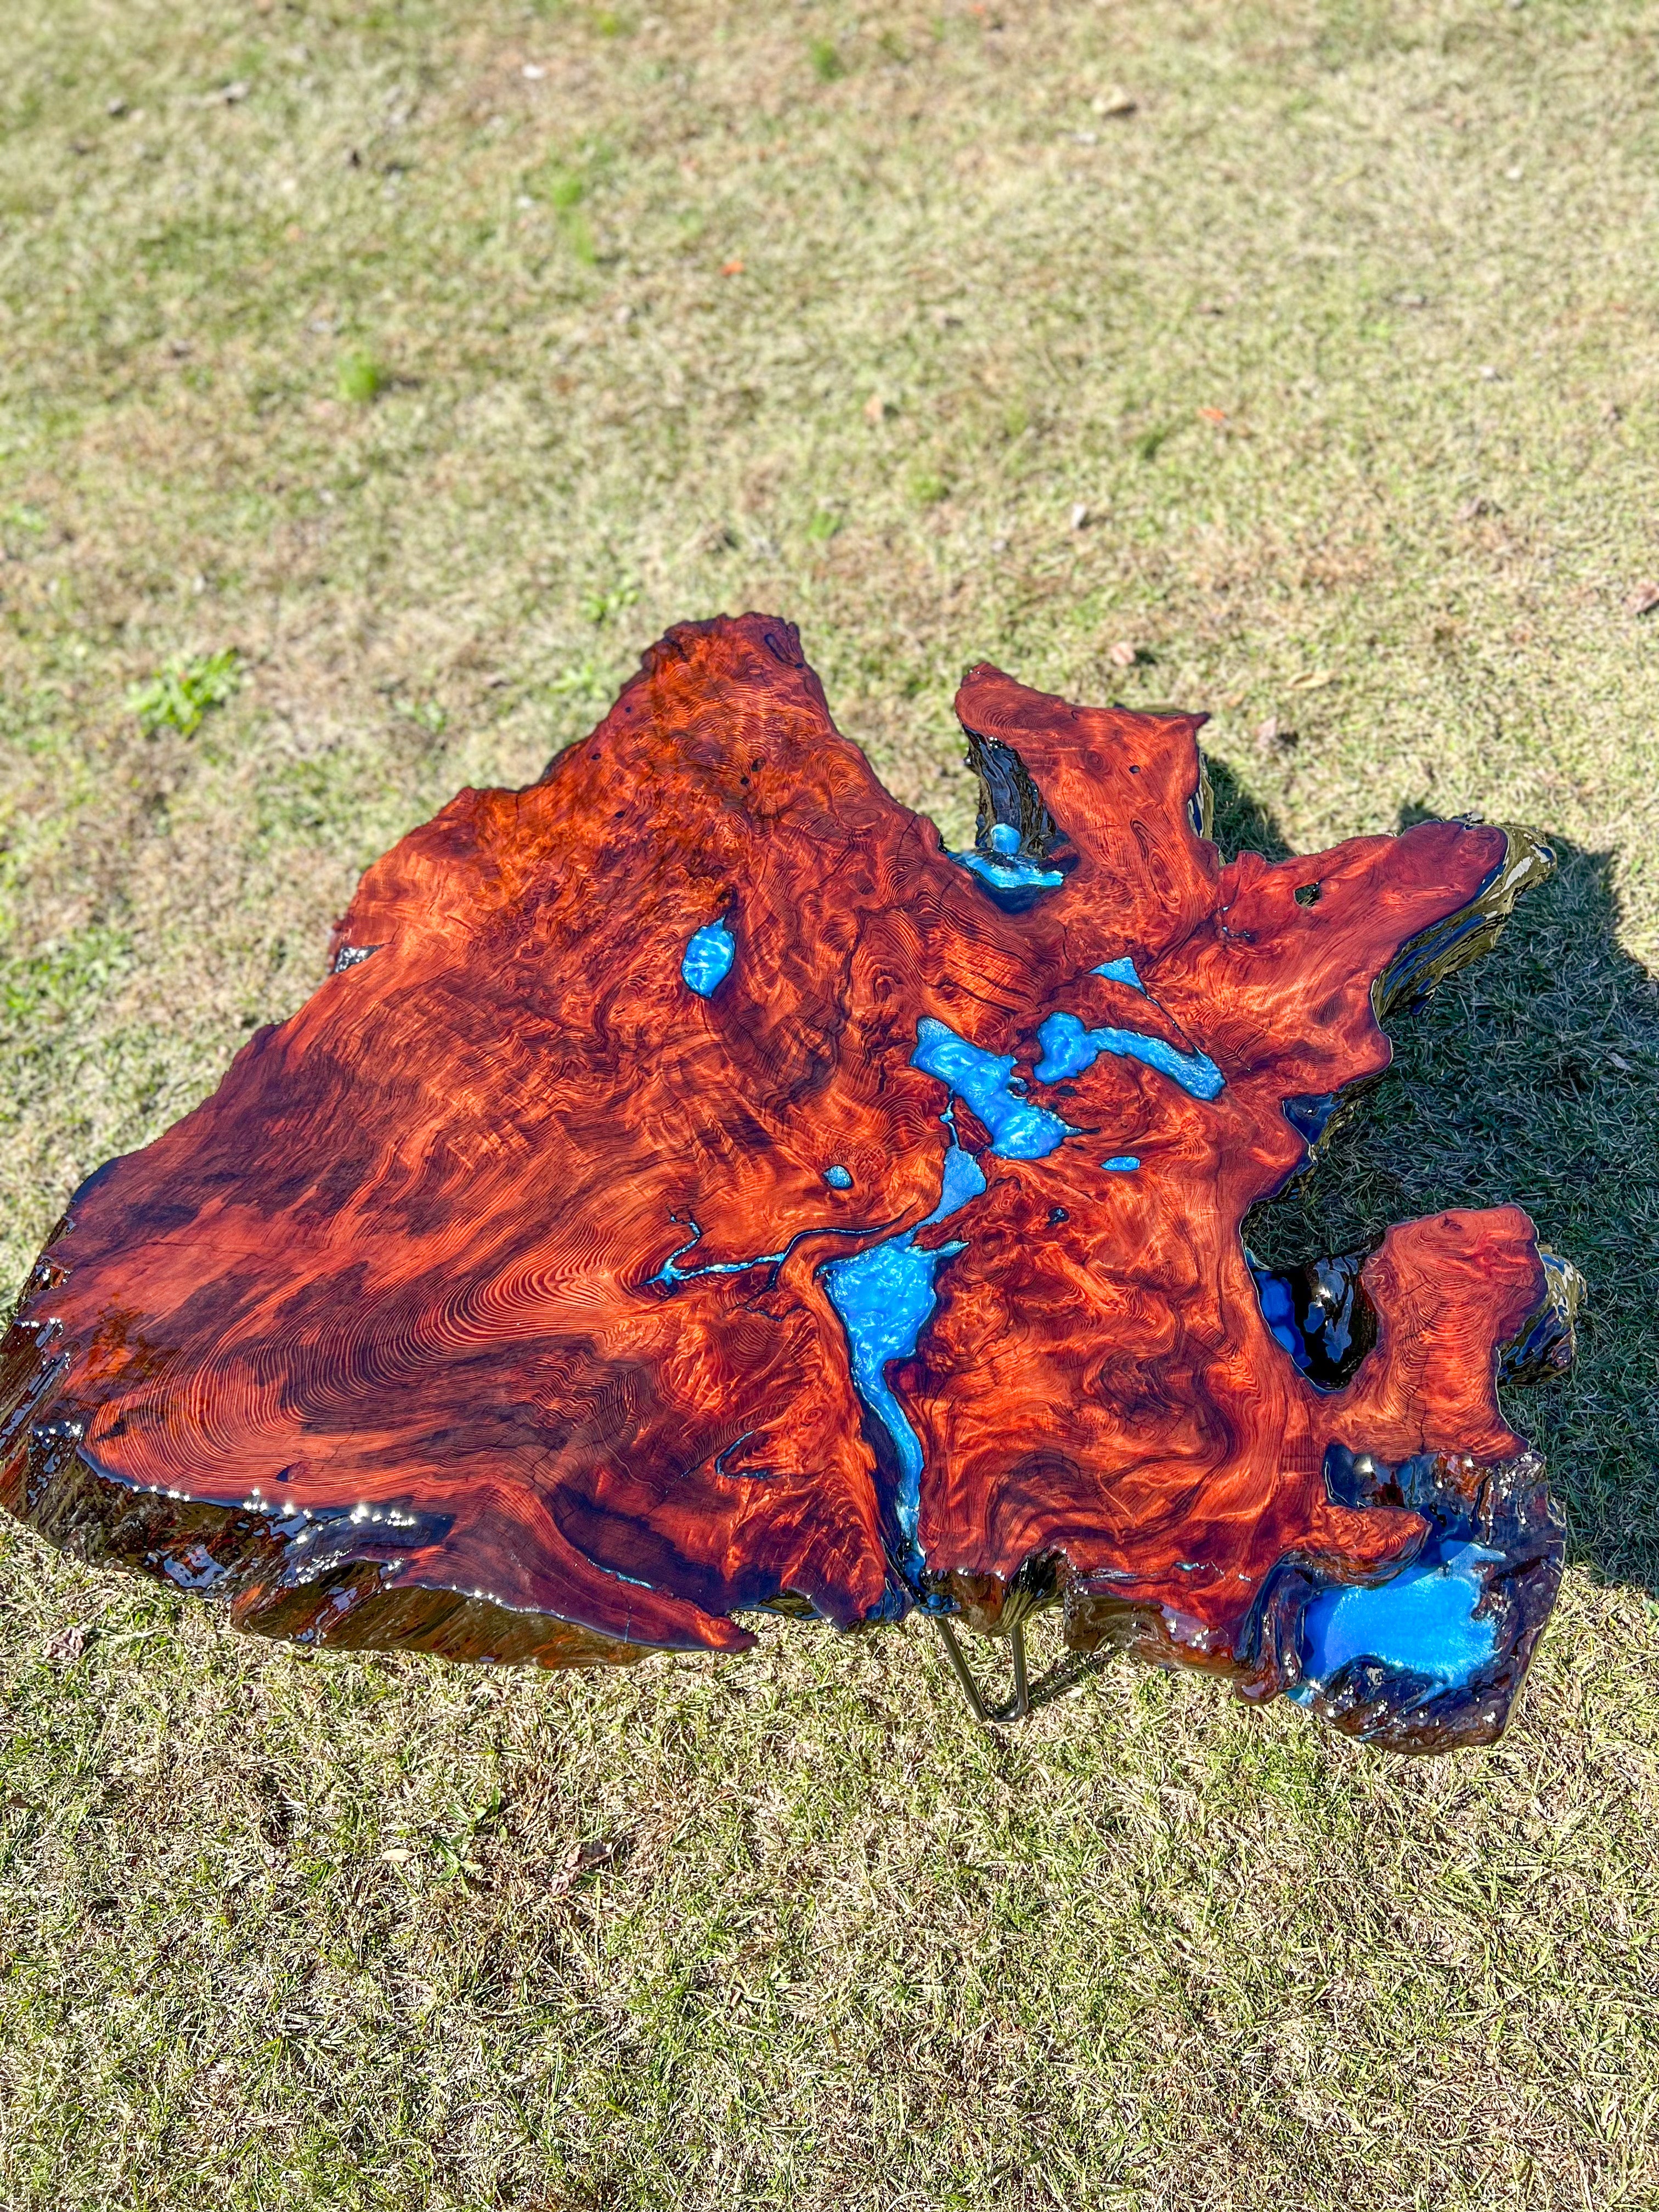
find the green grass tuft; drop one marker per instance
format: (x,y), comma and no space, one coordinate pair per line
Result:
(180,696)
(566,192)
(362,378)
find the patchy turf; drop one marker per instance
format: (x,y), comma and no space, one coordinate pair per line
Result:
(430,360)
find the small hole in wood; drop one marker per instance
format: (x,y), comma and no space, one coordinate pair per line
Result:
(1307,894)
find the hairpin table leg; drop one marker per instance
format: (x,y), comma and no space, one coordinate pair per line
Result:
(1022,1687)
(1022,1699)
(969,1687)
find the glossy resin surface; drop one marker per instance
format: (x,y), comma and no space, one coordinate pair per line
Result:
(695,1189)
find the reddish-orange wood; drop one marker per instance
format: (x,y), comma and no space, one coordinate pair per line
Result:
(489,1305)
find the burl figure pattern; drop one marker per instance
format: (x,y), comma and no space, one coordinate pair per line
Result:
(693,1190)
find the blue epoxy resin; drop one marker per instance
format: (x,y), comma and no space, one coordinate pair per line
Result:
(1121,971)
(1018,875)
(1004,868)
(962,1178)
(670,1273)
(1019,1131)
(884,1296)
(1308,1116)
(838,1178)
(1121,1162)
(1279,1311)
(1069,1048)
(709,955)
(1423,1621)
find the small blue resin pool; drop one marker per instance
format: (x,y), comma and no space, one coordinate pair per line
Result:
(1004,868)
(986,1082)
(1069,1048)
(884,1295)
(1121,971)
(708,956)
(1422,1621)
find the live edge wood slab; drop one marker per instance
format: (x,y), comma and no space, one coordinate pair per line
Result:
(695,1190)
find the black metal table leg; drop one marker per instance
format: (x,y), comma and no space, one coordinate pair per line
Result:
(969,1687)
(1022,1687)
(990,1717)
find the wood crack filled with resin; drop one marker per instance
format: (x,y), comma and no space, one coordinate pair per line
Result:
(693,1189)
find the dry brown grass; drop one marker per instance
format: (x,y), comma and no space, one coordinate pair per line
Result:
(282,1932)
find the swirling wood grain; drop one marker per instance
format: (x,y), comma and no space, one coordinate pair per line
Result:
(488,1306)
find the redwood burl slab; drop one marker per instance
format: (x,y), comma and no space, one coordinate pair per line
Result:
(693,1189)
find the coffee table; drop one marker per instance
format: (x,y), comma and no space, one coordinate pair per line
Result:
(694,1191)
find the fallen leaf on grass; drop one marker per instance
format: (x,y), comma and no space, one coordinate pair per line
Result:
(580,1858)
(1643,600)
(66,1647)
(734,267)
(1315,679)
(875,407)
(1121,655)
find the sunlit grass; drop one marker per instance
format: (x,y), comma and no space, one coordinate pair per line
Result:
(1296,364)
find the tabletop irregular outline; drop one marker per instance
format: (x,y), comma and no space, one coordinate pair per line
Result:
(693,1189)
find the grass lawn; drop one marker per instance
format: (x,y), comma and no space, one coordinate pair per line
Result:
(433,358)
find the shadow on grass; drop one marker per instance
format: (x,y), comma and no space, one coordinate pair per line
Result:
(1532,1076)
